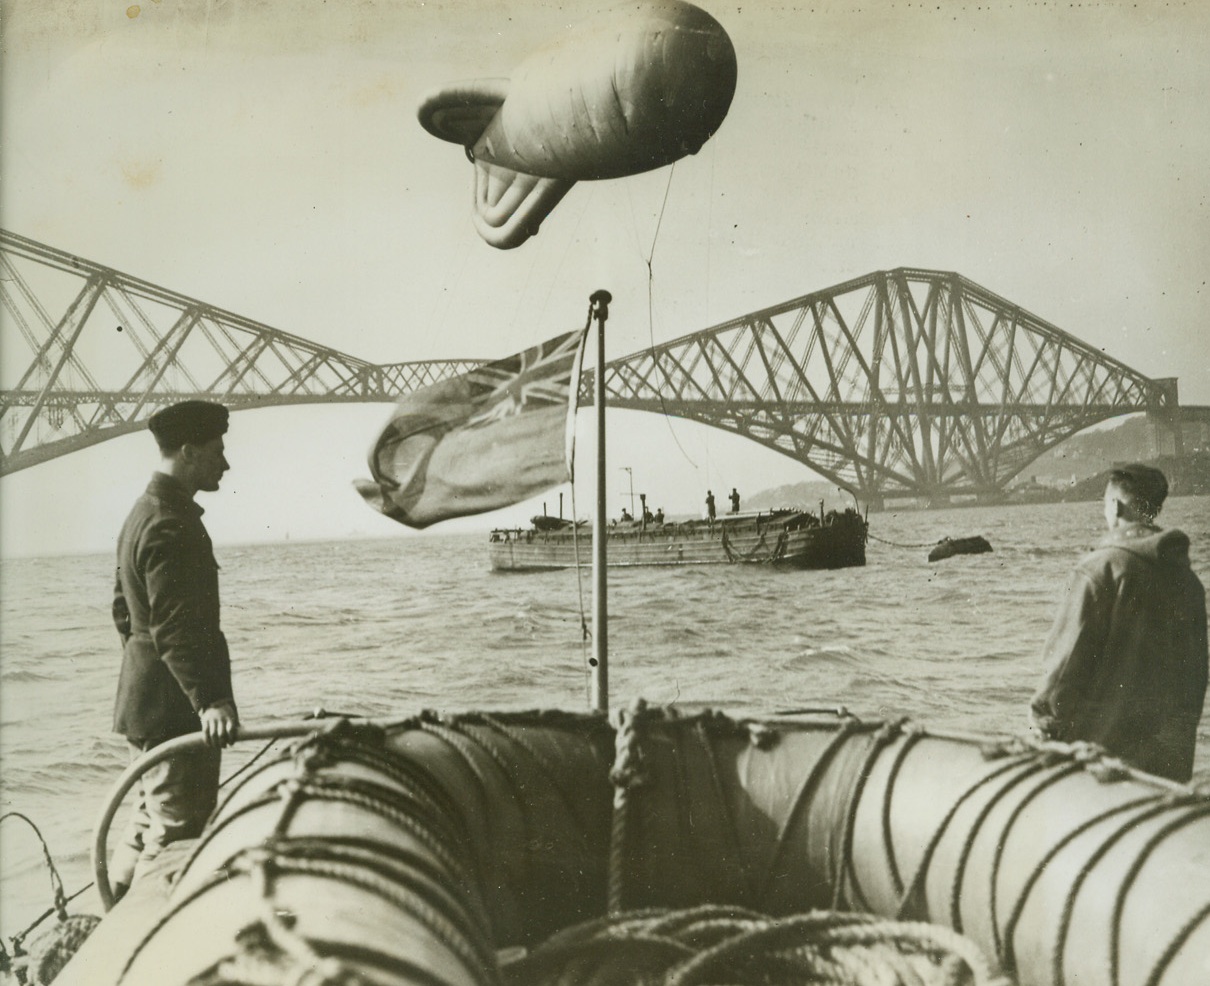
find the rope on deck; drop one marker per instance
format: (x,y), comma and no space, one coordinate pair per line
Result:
(712,946)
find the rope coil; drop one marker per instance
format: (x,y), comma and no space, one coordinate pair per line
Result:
(712,945)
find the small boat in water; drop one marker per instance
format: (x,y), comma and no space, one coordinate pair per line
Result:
(789,538)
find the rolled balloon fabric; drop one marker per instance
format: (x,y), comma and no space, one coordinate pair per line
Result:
(627,92)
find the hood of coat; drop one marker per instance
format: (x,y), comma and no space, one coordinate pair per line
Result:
(1169,547)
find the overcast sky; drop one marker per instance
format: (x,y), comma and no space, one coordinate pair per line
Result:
(265,157)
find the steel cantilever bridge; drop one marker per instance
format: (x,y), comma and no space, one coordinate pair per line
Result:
(902,383)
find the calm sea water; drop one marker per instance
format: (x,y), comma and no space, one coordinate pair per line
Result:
(394,626)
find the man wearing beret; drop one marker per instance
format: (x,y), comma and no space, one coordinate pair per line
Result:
(1126,660)
(176,672)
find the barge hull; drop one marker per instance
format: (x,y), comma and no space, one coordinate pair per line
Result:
(808,548)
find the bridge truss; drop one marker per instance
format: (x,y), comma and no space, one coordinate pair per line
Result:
(903,383)
(92,353)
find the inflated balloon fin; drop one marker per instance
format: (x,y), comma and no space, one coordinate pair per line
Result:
(624,93)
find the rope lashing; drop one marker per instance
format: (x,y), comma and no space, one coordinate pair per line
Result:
(1048,781)
(499,755)
(1178,941)
(417,877)
(1154,841)
(499,743)
(626,774)
(734,946)
(1095,759)
(53,948)
(1194,805)
(319,712)
(1035,757)
(973,829)
(747,876)
(468,750)
(912,899)
(399,885)
(1008,959)
(846,874)
(913,735)
(546,767)
(801,799)
(1069,903)
(770,554)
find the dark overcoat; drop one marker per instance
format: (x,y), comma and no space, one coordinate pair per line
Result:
(175,661)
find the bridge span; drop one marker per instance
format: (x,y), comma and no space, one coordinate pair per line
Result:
(903,383)
(906,383)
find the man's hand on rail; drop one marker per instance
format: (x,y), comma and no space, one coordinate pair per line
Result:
(220,723)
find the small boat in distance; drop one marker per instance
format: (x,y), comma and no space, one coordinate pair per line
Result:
(788,538)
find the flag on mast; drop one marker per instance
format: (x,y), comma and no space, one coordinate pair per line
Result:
(486,439)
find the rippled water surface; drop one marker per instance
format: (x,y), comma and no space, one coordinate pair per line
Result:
(393,626)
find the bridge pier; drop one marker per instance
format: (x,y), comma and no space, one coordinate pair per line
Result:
(1167,436)
(1164,417)
(991,498)
(871,500)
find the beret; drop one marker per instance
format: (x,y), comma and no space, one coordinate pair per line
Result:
(189,422)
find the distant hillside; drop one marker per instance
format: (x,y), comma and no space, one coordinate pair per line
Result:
(801,495)
(1093,452)
(1075,470)
(1187,476)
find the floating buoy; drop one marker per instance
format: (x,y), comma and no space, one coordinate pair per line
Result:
(947,547)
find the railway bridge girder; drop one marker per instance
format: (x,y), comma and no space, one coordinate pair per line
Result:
(902,383)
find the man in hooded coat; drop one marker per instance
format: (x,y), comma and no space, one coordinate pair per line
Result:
(1126,659)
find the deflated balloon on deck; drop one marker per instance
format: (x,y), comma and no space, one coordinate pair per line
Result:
(626,92)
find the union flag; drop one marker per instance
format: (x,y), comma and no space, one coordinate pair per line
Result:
(480,441)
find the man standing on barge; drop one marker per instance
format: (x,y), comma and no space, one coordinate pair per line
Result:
(176,671)
(1126,660)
